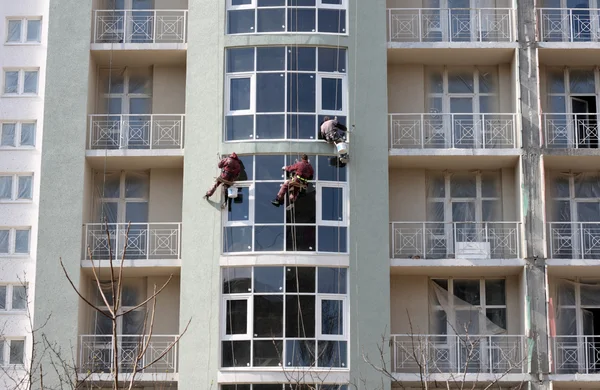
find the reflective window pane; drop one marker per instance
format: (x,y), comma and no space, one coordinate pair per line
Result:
(239,94)
(301,126)
(8,133)
(27,134)
(582,81)
(19,298)
(270,3)
(3,297)
(329,171)
(332,317)
(247,165)
(304,210)
(237,239)
(300,316)
(236,387)
(301,20)
(302,92)
(239,208)
(30,85)
(236,317)
(333,239)
(332,21)
(331,94)
(11,82)
(300,353)
(4,240)
(467,290)
(237,280)
(332,201)
(333,280)
(6,188)
(495,292)
(497,316)
(240,21)
(239,127)
(240,60)
(17,352)
(235,353)
(268,279)
(267,353)
(240,2)
(264,210)
(300,238)
(34,30)
(300,279)
(270,20)
(333,353)
(268,167)
(268,316)
(268,238)
(14,31)
(22,241)
(301,58)
(270,127)
(270,92)
(270,58)
(332,60)
(25,189)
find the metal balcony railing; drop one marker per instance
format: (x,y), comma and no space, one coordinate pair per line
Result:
(569,24)
(574,240)
(461,240)
(152,131)
(448,131)
(140,26)
(96,353)
(493,354)
(576,354)
(145,241)
(571,131)
(450,25)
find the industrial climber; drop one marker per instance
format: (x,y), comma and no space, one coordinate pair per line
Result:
(301,172)
(230,170)
(333,132)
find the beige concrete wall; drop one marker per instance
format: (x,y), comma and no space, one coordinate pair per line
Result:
(410,298)
(170,4)
(88,194)
(407,88)
(543,89)
(168,90)
(166,320)
(166,194)
(408,194)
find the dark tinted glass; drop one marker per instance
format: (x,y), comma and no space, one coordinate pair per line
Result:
(268,279)
(332,200)
(268,353)
(333,239)
(268,238)
(301,58)
(300,316)
(239,127)
(302,236)
(236,321)
(270,20)
(333,353)
(270,58)
(332,60)
(240,21)
(331,94)
(269,167)
(268,315)
(329,171)
(302,20)
(302,126)
(270,126)
(240,60)
(332,21)
(333,280)
(239,208)
(264,210)
(270,92)
(235,353)
(237,280)
(300,353)
(304,210)
(237,239)
(304,277)
(302,92)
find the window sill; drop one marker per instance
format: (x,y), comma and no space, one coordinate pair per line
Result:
(18,255)
(17,148)
(22,95)
(18,201)
(12,312)
(22,43)
(344,34)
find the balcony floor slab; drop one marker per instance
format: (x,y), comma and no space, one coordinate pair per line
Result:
(134,268)
(286,259)
(465,161)
(450,53)
(135,159)
(276,375)
(154,378)
(139,54)
(463,378)
(573,267)
(456,267)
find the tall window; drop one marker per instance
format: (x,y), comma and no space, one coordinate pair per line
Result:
(284,316)
(300,16)
(572,108)
(122,197)
(134,293)
(466,100)
(283,92)
(317,223)
(126,99)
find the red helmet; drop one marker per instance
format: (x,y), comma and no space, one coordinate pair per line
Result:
(233,155)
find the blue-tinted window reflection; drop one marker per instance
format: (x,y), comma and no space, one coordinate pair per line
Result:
(270,3)
(270,92)
(268,279)
(270,126)
(332,60)
(270,58)
(240,127)
(300,353)
(301,90)
(270,20)
(240,22)
(240,60)
(264,210)
(331,94)
(301,20)
(333,280)
(239,208)
(329,171)
(239,98)
(332,21)
(302,58)
(333,239)
(332,200)
(269,167)
(237,239)
(247,163)
(268,238)
(301,126)
(332,317)
(237,280)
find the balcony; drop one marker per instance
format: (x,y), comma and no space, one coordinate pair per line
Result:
(571,131)
(569,25)
(576,354)
(574,240)
(450,25)
(453,131)
(458,354)
(455,240)
(152,26)
(96,354)
(139,132)
(145,241)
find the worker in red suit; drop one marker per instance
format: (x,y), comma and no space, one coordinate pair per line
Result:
(302,172)
(230,170)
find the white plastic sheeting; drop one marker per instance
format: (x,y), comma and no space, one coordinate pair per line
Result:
(565,297)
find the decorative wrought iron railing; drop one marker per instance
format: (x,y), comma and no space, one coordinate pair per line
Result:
(571,131)
(574,240)
(493,354)
(450,24)
(145,241)
(576,354)
(96,353)
(448,131)
(460,240)
(152,131)
(140,26)
(569,24)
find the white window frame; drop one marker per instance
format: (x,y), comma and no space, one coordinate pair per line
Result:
(12,238)
(8,304)
(345,205)
(18,135)
(20,82)
(319,90)
(6,351)
(24,30)
(342,6)
(249,323)
(252,109)
(15,177)
(231,7)
(122,200)
(319,315)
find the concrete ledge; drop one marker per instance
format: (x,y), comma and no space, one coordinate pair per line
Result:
(134,153)
(462,378)
(138,46)
(454,152)
(143,377)
(315,260)
(452,45)
(280,147)
(276,375)
(286,39)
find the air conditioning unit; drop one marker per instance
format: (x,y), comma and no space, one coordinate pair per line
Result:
(472,250)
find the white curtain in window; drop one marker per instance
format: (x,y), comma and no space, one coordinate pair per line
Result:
(6,187)
(28,134)
(4,236)
(14,31)
(33,30)
(2,297)
(565,301)
(22,241)
(31,82)
(11,82)
(25,187)
(7,138)
(19,298)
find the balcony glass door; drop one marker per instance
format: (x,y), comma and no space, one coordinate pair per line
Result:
(142,21)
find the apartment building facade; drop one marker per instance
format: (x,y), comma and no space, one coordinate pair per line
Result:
(23,45)
(459,239)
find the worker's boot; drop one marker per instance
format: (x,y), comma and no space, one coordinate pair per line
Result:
(276,202)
